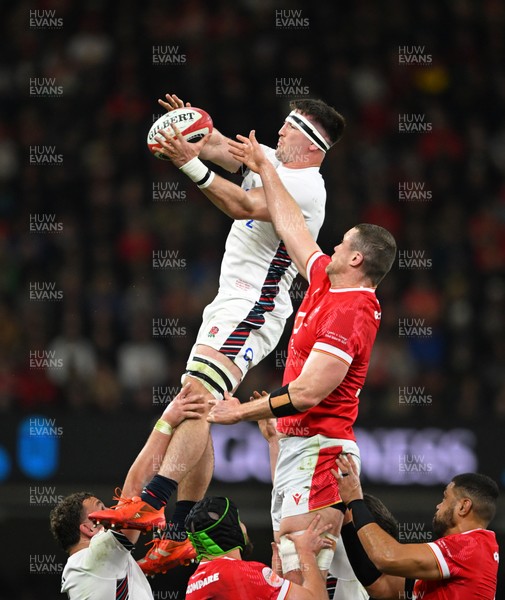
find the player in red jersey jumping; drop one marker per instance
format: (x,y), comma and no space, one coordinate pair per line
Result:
(328,358)
(461,565)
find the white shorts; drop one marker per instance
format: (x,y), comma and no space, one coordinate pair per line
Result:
(240,330)
(303,481)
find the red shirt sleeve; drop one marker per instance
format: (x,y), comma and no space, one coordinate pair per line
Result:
(315,268)
(453,553)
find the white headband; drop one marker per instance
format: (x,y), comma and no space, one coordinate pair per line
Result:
(308,130)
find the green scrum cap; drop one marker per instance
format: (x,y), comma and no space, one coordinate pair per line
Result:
(213,527)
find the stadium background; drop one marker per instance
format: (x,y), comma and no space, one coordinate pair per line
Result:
(78,89)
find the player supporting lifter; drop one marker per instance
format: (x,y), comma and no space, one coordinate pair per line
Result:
(100,564)
(328,358)
(221,541)
(462,564)
(245,321)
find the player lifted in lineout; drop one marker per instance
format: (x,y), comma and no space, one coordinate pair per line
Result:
(246,319)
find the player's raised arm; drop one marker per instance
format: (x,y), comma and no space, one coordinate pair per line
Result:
(216,149)
(143,468)
(416,561)
(226,195)
(285,214)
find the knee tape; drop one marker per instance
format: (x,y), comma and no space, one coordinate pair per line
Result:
(215,377)
(325,556)
(289,556)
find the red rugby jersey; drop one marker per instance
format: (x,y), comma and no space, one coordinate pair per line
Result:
(468,563)
(342,322)
(228,578)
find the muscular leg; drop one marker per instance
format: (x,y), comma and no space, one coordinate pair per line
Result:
(301,522)
(188,442)
(188,456)
(191,489)
(196,482)
(191,437)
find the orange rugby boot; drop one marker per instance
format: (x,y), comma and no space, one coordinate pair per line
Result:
(166,554)
(129,513)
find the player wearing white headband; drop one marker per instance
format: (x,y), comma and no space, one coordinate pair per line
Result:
(245,321)
(308,129)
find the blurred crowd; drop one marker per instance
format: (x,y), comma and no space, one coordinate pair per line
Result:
(441,342)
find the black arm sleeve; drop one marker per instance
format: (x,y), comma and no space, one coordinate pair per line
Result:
(365,570)
(409,587)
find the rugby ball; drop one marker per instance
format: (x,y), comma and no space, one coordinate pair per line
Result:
(193,123)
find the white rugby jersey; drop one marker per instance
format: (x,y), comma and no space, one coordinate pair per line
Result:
(105,570)
(255,264)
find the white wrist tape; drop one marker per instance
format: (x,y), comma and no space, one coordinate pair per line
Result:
(198,172)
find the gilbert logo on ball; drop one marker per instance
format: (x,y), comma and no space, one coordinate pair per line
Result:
(193,123)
